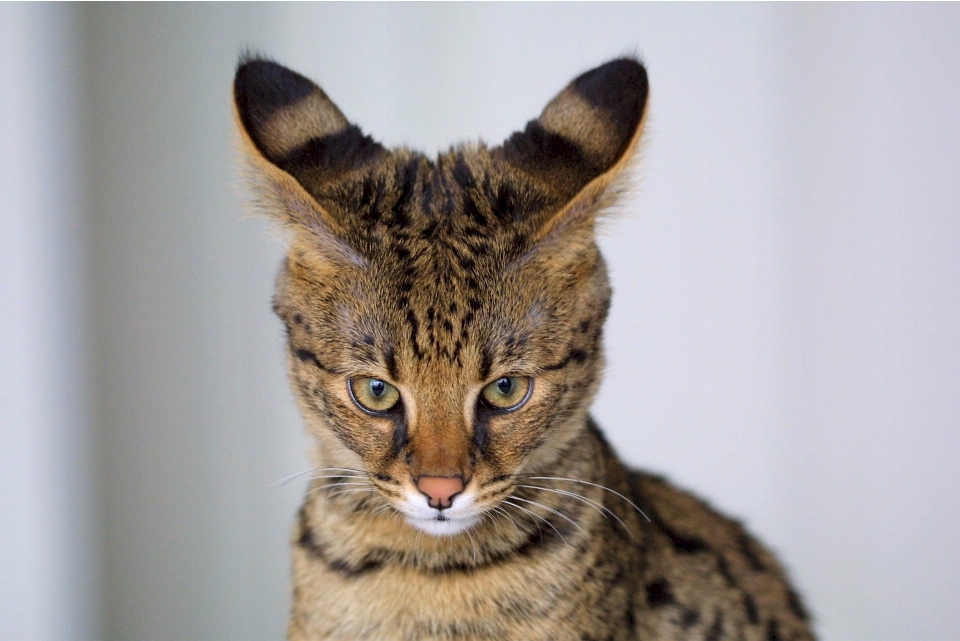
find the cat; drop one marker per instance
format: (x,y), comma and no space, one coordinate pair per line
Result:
(444,321)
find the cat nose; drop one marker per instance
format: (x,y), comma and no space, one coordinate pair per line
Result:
(440,490)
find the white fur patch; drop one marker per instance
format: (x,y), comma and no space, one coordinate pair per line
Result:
(460,516)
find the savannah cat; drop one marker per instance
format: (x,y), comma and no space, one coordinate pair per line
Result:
(444,320)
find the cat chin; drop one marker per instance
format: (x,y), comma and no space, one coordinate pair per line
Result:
(447,527)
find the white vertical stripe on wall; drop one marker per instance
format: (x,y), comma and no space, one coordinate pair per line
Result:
(48,515)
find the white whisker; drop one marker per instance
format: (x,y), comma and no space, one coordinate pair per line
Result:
(535,515)
(599,507)
(602,487)
(550,509)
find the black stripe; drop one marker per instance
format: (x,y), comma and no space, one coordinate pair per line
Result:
(391,360)
(486,362)
(577,355)
(346,149)
(307,356)
(750,553)
(308,542)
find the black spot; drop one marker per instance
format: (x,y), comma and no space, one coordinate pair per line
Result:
(298,318)
(659,594)
(429,230)
(401,252)
(689,618)
(687,544)
(715,633)
(724,568)
(467,263)
(750,553)
(750,607)
(773,631)
(505,205)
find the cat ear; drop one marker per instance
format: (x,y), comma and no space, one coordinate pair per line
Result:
(298,143)
(582,141)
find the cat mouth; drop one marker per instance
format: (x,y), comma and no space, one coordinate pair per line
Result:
(442,524)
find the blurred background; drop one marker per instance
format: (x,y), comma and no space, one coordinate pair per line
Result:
(783,340)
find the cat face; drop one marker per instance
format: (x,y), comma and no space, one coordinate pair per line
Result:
(444,316)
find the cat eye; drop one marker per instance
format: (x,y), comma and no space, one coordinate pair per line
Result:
(507,393)
(373,394)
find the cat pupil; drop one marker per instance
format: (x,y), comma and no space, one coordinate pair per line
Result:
(504,385)
(377,387)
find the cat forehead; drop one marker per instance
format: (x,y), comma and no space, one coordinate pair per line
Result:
(465,189)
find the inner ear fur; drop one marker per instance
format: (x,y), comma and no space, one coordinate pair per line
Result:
(282,117)
(297,141)
(581,143)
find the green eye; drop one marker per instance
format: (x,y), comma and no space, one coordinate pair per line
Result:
(373,395)
(508,393)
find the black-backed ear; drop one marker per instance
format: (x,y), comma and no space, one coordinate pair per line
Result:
(295,126)
(583,139)
(297,143)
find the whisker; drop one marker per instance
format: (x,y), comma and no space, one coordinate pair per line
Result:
(332,494)
(602,487)
(499,510)
(473,543)
(601,509)
(287,479)
(385,506)
(330,486)
(535,515)
(550,509)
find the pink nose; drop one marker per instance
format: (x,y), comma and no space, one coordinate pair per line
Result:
(440,490)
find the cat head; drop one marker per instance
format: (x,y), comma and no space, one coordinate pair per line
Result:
(444,316)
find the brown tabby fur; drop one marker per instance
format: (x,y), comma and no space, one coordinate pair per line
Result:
(440,276)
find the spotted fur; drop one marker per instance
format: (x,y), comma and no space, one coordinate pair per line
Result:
(440,276)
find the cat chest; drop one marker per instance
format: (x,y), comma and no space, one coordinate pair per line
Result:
(515,600)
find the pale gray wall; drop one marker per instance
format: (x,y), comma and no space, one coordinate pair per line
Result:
(787,282)
(48,511)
